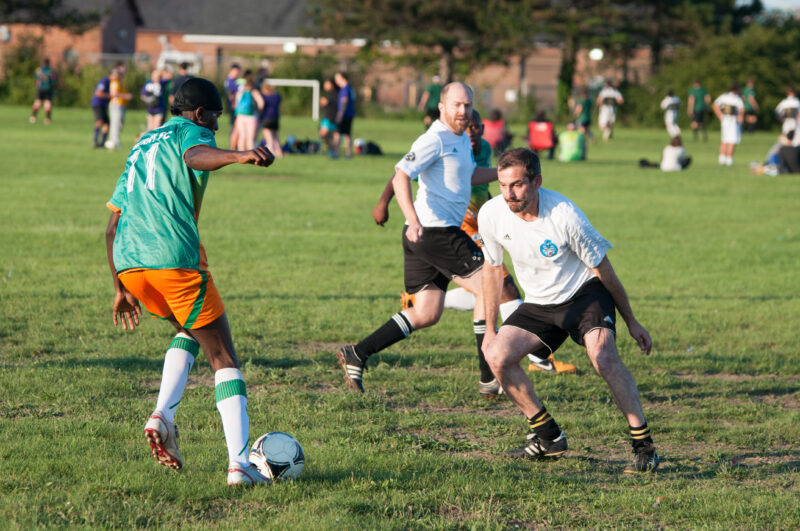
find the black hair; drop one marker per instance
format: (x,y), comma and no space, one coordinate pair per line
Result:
(523,157)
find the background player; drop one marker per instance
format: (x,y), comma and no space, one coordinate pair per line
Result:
(156,257)
(99,105)
(729,108)
(570,290)
(671,105)
(698,102)
(787,112)
(45,84)
(583,113)
(608,99)
(750,105)
(429,102)
(435,249)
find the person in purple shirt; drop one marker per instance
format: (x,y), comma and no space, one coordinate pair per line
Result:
(346,110)
(99,105)
(270,117)
(231,86)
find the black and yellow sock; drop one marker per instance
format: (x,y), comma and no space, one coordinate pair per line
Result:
(640,436)
(544,426)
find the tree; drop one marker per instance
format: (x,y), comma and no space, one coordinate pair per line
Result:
(47,13)
(448,29)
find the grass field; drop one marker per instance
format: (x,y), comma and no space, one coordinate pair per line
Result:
(709,258)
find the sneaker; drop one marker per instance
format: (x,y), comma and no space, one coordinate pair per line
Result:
(551,365)
(539,448)
(490,389)
(163,438)
(406,300)
(246,476)
(353,367)
(645,460)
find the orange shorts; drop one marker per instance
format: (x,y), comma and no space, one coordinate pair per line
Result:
(470,226)
(188,295)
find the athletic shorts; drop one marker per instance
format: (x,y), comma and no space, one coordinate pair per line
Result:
(441,254)
(271,124)
(731,130)
(699,117)
(470,226)
(345,126)
(585,123)
(44,95)
(592,307)
(327,124)
(607,116)
(433,114)
(187,294)
(100,113)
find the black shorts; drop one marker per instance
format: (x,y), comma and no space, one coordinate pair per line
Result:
(585,123)
(44,95)
(699,117)
(441,254)
(433,114)
(592,307)
(100,113)
(271,124)
(345,126)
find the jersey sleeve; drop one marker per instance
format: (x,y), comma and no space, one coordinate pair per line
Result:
(120,195)
(196,135)
(425,150)
(583,238)
(492,250)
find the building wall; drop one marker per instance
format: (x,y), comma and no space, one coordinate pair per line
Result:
(56,41)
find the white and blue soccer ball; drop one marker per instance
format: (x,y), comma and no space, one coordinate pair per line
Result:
(278,455)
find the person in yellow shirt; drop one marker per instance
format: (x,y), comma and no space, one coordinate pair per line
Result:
(116,106)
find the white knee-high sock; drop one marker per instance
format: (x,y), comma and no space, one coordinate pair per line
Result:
(231,399)
(459,299)
(507,308)
(177,364)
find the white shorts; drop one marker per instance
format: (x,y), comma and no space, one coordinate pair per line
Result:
(607,116)
(731,130)
(789,124)
(672,128)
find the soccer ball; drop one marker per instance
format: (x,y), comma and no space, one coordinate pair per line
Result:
(278,455)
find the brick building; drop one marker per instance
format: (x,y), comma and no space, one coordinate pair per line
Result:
(221,32)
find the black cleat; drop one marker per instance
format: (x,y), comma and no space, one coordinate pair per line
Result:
(537,448)
(353,367)
(645,460)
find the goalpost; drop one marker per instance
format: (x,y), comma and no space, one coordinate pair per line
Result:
(313,83)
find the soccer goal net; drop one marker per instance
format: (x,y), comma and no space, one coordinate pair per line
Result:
(311,83)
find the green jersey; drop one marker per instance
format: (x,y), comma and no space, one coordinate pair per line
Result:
(158,197)
(700,93)
(585,116)
(747,94)
(480,193)
(434,91)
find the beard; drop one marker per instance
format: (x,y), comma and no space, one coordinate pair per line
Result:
(518,206)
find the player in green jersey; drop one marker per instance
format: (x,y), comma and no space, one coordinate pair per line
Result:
(156,257)
(430,101)
(698,103)
(750,105)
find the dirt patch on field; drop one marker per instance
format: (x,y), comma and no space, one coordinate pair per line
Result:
(727,377)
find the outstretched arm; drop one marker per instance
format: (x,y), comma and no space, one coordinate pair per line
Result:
(126,307)
(609,278)
(207,158)
(483,175)
(381,211)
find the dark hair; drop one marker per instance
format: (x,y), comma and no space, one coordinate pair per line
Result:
(523,157)
(195,93)
(495,115)
(184,65)
(790,135)
(476,117)
(344,75)
(236,65)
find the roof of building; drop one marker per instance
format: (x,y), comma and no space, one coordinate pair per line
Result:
(275,18)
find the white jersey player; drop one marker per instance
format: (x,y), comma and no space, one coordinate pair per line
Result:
(729,108)
(608,99)
(671,105)
(787,111)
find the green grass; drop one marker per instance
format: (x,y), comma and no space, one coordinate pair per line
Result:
(709,257)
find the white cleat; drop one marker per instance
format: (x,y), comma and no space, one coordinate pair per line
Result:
(163,438)
(246,476)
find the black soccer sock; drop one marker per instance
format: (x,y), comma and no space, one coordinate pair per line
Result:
(96,134)
(640,436)
(544,426)
(479,327)
(397,328)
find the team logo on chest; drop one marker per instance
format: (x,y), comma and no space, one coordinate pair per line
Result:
(548,249)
